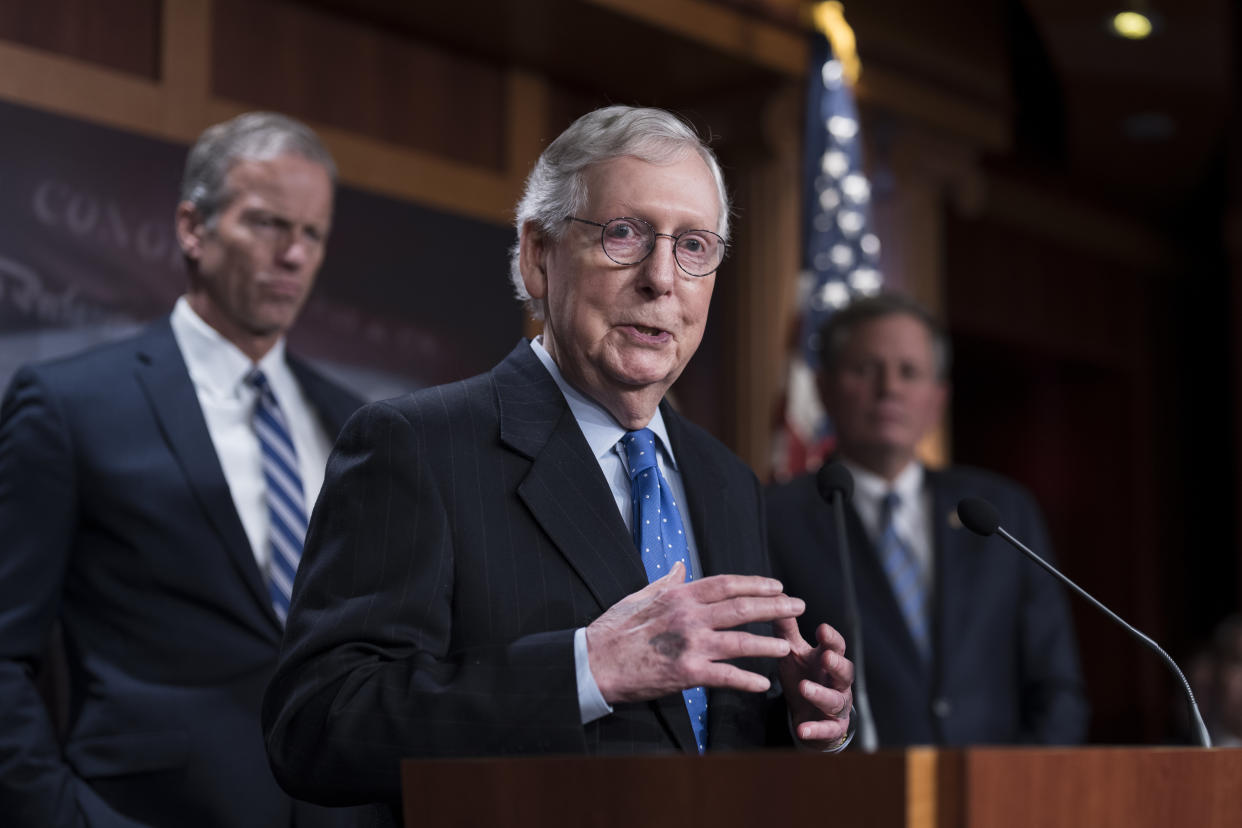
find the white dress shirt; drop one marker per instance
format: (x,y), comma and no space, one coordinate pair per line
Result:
(218,370)
(912,518)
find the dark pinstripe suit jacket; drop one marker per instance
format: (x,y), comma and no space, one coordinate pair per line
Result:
(463,533)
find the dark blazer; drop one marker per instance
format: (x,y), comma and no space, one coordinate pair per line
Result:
(1005,664)
(463,533)
(116,519)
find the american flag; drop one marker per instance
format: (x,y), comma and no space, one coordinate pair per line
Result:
(840,255)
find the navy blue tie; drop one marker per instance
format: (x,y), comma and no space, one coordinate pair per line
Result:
(661,539)
(286,500)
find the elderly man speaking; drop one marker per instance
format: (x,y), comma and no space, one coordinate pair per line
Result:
(547,558)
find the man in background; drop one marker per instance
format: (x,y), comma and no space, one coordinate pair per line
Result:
(153,500)
(964,642)
(547,558)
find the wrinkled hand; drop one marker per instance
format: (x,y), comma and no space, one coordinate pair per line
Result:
(817,682)
(671,635)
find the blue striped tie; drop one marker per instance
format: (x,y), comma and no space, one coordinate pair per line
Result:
(905,574)
(286,502)
(661,539)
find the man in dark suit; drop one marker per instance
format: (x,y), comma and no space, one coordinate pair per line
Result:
(471,584)
(135,509)
(963,641)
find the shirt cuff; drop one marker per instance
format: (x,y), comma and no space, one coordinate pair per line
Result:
(591,702)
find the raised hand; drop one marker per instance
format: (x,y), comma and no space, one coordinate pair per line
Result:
(817,682)
(672,635)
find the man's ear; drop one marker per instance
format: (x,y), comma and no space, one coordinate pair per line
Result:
(190,229)
(533,259)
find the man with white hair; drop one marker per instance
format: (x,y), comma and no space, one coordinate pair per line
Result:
(153,500)
(547,558)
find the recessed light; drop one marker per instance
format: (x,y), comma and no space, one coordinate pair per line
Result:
(1133,25)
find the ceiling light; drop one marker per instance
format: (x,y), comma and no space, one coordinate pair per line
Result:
(1132,25)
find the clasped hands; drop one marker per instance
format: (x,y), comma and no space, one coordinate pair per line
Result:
(672,635)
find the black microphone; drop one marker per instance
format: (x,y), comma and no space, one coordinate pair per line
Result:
(980,517)
(836,485)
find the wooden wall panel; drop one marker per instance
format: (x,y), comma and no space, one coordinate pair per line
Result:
(331,70)
(120,34)
(1052,386)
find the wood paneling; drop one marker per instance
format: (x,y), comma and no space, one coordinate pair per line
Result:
(120,34)
(331,70)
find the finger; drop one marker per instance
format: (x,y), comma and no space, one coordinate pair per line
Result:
(838,669)
(829,638)
(827,731)
(722,587)
(719,674)
(832,704)
(787,628)
(735,644)
(733,612)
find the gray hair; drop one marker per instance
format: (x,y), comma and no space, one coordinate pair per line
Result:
(252,136)
(556,187)
(836,331)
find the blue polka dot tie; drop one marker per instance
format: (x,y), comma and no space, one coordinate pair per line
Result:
(661,539)
(286,502)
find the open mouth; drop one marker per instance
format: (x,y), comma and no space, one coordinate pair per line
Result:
(643,329)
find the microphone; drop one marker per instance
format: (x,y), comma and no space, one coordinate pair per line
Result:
(981,517)
(836,485)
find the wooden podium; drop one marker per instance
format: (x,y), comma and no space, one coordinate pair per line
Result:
(919,788)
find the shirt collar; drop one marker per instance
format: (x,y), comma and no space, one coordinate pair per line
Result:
(215,363)
(868,484)
(598,426)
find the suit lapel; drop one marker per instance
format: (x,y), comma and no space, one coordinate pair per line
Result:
(564,488)
(954,574)
(162,374)
(571,501)
(706,495)
(333,404)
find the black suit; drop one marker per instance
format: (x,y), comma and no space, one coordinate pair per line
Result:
(116,518)
(1005,665)
(463,533)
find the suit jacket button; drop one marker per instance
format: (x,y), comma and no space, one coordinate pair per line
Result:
(941,708)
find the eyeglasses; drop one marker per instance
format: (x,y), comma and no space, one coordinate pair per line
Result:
(627,241)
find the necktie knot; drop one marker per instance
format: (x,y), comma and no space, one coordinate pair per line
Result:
(889,506)
(257,380)
(640,450)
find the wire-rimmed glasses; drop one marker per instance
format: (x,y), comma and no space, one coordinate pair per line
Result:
(628,240)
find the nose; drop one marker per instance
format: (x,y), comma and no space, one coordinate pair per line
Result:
(658,272)
(886,379)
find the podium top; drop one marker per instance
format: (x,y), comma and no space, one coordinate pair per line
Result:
(917,788)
